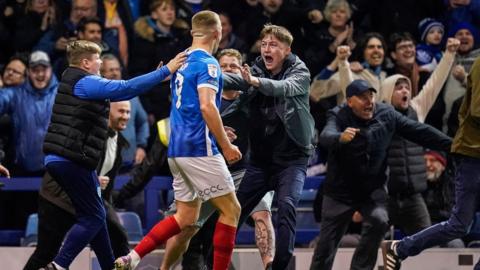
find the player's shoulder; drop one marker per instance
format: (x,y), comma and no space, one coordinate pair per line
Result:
(201,57)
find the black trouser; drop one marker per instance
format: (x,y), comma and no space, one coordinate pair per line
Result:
(409,213)
(336,217)
(54,222)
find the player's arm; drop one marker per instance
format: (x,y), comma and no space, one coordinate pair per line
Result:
(214,122)
(97,88)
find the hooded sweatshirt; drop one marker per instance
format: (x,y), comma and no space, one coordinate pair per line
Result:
(30,110)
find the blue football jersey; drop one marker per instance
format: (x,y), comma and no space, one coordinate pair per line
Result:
(190,136)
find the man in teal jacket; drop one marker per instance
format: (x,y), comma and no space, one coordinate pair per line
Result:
(281,132)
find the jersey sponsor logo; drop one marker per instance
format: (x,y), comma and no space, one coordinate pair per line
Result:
(212,70)
(210,190)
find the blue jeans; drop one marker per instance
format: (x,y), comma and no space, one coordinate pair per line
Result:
(83,188)
(467,194)
(288,185)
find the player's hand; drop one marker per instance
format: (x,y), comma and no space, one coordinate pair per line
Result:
(104,180)
(232,154)
(453,44)
(177,62)
(348,135)
(4,171)
(230,133)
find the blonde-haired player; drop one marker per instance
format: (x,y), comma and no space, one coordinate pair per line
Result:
(199,170)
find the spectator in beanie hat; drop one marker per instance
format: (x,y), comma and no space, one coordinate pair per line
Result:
(429,50)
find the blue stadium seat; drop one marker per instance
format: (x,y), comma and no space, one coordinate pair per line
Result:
(31,231)
(11,238)
(132,224)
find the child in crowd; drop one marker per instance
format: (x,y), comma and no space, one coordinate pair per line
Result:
(429,50)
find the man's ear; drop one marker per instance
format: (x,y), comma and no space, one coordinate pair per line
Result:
(393,55)
(349,102)
(85,63)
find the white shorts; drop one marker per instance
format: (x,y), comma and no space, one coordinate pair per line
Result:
(205,177)
(208,209)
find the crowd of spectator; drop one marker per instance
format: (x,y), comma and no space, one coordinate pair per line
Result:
(339,40)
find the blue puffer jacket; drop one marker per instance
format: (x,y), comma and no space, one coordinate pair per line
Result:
(30,110)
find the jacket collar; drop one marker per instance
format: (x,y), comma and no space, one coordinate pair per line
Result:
(288,62)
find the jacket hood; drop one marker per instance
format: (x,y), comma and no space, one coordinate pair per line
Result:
(144,29)
(388,85)
(51,87)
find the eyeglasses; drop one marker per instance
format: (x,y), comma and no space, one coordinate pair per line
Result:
(16,72)
(403,47)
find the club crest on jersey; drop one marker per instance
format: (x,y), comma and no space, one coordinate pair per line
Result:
(183,67)
(212,70)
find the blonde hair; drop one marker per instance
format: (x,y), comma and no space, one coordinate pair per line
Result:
(333,5)
(279,32)
(231,53)
(203,22)
(81,49)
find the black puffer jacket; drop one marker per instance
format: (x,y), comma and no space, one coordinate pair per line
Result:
(406,164)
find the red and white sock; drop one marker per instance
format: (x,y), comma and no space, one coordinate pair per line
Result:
(223,243)
(158,235)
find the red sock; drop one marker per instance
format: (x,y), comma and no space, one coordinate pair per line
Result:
(157,236)
(223,243)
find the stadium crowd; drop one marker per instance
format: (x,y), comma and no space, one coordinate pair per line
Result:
(413,57)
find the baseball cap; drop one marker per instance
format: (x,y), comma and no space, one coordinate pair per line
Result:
(38,58)
(357,87)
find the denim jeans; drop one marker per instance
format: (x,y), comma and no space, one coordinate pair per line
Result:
(288,185)
(467,191)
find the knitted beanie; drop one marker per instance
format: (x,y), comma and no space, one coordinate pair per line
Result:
(426,25)
(463,25)
(439,156)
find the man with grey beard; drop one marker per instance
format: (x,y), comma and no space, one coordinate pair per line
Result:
(440,194)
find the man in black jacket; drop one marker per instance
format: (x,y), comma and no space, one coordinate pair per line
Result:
(358,135)
(56,213)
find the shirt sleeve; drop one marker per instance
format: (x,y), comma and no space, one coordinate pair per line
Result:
(208,76)
(98,88)
(6,100)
